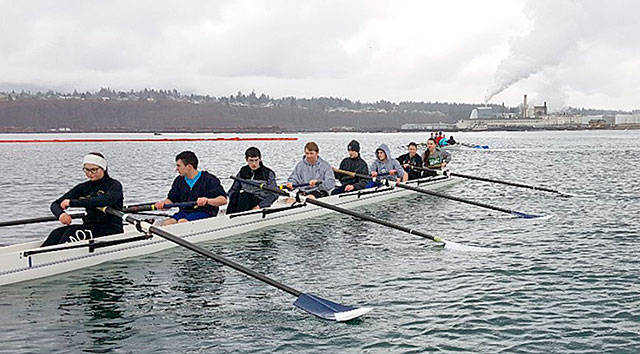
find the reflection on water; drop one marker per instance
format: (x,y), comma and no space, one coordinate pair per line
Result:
(558,285)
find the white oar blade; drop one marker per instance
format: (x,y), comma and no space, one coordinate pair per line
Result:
(328,310)
(350,315)
(454,246)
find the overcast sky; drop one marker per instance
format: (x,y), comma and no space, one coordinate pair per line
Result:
(578,53)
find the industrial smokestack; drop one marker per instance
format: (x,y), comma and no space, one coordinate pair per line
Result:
(524,107)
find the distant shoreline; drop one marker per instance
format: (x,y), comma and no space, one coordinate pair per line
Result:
(262,132)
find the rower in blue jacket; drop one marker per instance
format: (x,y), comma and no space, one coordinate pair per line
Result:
(192,185)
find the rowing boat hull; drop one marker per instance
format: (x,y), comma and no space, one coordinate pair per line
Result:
(27,261)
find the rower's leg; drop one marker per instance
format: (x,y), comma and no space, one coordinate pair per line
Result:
(55,236)
(169,221)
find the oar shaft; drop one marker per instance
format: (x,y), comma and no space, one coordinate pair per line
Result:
(345,211)
(515,184)
(371,219)
(37,220)
(351,174)
(441,195)
(206,253)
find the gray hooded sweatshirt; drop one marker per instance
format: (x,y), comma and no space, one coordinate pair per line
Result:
(321,171)
(389,164)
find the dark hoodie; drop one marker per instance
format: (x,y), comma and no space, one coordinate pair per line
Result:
(92,194)
(356,165)
(412,161)
(261,175)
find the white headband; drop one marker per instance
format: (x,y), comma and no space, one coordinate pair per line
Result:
(95,160)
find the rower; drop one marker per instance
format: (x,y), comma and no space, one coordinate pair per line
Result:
(312,169)
(444,141)
(192,185)
(438,138)
(451,140)
(411,159)
(243,197)
(99,191)
(384,164)
(352,163)
(435,158)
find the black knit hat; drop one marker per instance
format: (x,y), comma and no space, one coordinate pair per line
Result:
(353,146)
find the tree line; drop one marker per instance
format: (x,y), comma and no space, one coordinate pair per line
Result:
(165,110)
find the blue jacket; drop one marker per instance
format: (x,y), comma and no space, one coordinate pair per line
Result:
(207,185)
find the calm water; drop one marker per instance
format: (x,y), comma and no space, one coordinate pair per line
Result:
(565,284)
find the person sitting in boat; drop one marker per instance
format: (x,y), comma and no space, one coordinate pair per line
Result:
(243,197)
(444,141)
(352,163)
(99,191)
(411,159)
(438,137)
(192,185)
(386,166)
(313,169)
(451,140)
(434,158)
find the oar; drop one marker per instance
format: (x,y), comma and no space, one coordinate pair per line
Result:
(536,188)
(441,195)
(312,304)
(474,146)
(515,184)
(37,220)
(294,186)
(462,200)
(129,209)
(304,199)
(150,207)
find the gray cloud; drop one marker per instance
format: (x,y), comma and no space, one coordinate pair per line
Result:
(368,50)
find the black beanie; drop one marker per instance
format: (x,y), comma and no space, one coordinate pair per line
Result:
(354,146)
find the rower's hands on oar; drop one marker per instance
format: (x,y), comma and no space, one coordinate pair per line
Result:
(313,182)
(290,186)
(348,188)
(374,174)
(202,201)
(65,204)
(65,218)
(160,204)
(393,172)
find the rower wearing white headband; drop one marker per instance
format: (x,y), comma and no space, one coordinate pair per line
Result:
(99,191)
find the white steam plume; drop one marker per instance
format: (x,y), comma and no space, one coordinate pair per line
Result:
(556,32)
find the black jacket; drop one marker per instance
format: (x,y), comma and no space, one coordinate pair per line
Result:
(207,185)
(262,175)
(415,161)
(356,165)
(92,194)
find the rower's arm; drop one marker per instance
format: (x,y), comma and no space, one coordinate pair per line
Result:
(55,206)
(217,201)
(269,198)
(328,179)
(362,182)
(110,198)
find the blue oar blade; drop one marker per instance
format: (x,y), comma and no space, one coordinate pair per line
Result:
(528,216)
(328,310)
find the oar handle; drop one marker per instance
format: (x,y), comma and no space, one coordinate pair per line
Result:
(296,185)
(150,207)
(37,220)
(353,174)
